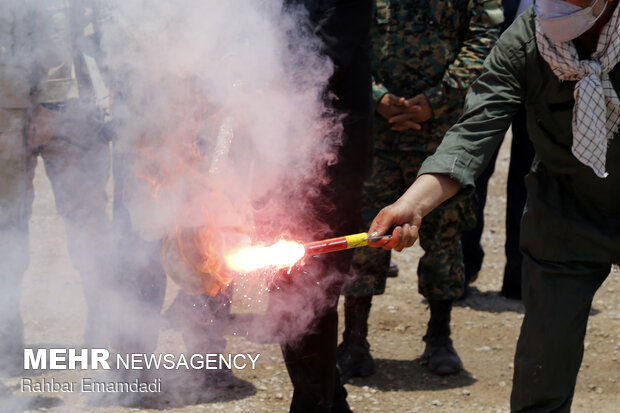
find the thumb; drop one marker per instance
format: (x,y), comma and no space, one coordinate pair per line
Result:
(381,224)
(412,101)
(395,100)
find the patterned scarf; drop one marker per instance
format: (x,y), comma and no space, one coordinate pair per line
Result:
(596,115)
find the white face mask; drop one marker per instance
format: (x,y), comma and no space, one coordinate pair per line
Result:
(562,21)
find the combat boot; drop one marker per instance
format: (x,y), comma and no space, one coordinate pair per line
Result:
(439,356)
(392,271)
(354,359)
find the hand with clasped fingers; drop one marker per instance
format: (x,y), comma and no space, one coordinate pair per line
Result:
(404,114)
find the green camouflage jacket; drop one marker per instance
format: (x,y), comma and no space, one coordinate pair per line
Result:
(434,47)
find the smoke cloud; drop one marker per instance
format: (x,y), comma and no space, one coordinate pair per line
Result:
(221,108)
(222,104)
(219,116)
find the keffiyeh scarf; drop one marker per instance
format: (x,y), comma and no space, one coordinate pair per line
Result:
(596,114)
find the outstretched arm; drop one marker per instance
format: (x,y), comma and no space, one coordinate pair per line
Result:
(492,101)
(426,193)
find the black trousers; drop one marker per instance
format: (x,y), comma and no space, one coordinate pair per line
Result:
(569,247)
(311,357)
(343,26)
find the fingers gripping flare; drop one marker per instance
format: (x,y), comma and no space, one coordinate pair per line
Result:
(402,231)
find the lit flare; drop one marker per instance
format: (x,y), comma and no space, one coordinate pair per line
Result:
(282,254)
(285,254)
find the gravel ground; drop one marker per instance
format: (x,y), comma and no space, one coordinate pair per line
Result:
(485,330)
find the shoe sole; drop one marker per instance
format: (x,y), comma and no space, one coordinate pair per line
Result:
(445,370)
(358,371)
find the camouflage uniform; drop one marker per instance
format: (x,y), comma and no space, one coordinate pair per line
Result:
(436,48)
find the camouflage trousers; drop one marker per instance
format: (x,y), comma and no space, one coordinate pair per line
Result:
(440,270)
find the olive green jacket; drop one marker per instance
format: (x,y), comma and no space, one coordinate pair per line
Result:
(515,73)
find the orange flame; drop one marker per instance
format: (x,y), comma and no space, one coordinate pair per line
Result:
(279,255)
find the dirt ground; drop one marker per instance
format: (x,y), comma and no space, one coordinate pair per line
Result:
(485,330)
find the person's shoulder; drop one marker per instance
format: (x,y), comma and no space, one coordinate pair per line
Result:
(519,39)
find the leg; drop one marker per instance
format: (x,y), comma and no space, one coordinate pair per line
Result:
(138,276)
(203,320)
(442,279)
(441,269)
(311,360)
(521,156)
(78,172)
(567,254)
(557,298)
(16,196)
(311,356)
(304,306)
(309,372)
(369,269)
(345,31)
(206,318)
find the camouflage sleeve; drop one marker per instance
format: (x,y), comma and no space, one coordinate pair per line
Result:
(486,17)
(378,90)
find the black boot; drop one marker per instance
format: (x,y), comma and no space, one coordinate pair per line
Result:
(439,355)
(392,270)
(354,359)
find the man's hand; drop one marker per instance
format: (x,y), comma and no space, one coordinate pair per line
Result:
(42,126)
(402,216)
(390,105)
(413,113)
(426,193)
(403,113)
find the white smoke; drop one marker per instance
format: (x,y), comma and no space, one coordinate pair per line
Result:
(218,109)
(240,77)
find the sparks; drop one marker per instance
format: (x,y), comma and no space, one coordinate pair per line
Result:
(279,255)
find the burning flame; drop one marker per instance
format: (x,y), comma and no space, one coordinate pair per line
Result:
(280,255)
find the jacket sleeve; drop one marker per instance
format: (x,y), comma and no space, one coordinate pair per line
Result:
(485,19)
(490,105)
